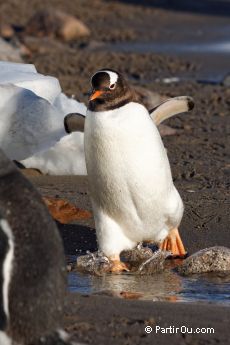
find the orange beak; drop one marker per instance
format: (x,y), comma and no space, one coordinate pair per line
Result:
(95,95)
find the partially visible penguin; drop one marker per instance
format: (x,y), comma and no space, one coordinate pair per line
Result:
(32,265)
(131,187)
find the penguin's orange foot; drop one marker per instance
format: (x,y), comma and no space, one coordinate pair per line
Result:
(174,244)
(118,266)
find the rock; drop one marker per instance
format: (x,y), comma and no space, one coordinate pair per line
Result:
(226,81)
(24,50)
(214,259)
(155,264)
(65,212)
(139,261)
(43,45)
(94,263)
(56,24)
(9,53)
(137,255)
(6,31)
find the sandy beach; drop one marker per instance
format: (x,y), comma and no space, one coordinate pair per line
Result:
(198,152)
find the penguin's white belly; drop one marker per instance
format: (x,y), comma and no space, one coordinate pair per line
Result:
(129,173)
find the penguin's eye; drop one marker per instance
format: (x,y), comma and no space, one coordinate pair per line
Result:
(112,86)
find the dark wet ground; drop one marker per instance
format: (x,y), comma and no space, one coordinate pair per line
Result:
(199,157)
(103,320)
(204,224)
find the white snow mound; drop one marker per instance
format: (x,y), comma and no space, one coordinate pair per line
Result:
(32,110)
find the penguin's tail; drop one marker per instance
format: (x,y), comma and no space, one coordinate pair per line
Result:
(171,107)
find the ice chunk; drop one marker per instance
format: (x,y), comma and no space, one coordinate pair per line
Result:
(28,122)
(69,105)
(9,67)
(32,111)
(45,87)
(27,77)
(65,158)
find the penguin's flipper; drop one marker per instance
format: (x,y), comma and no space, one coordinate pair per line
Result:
(171,107)
(74,122)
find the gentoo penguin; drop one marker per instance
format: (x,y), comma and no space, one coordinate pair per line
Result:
(32,265)
(132,192)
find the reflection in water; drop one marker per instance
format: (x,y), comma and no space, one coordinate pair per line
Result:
(152,287)
(161,286)
(207,287)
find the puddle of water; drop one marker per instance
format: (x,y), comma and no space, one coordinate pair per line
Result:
(167,286)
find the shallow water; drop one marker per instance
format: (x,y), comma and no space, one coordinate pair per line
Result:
(167,286)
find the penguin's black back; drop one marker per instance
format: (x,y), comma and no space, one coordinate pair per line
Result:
(4,247)
(37,285)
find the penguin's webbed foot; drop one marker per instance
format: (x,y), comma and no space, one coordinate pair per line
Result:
(174,244)
(118,266)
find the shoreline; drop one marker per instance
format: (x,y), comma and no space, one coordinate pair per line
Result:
(103,319)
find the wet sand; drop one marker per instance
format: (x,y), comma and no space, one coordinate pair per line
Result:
(204,224)
(103,320)
(199,153)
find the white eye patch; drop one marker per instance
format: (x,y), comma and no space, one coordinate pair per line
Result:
(113,76)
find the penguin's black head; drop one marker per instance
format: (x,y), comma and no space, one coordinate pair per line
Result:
(110,90)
